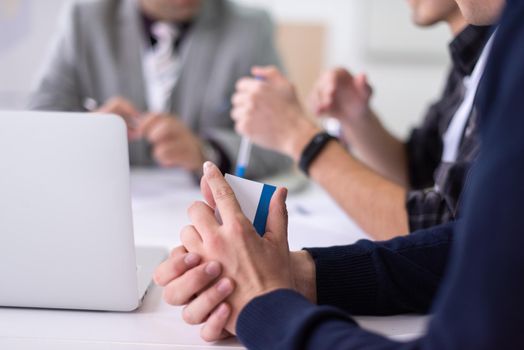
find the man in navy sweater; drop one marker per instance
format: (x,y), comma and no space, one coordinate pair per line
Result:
(270,299)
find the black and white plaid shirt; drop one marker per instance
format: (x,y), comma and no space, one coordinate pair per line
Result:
(436,186)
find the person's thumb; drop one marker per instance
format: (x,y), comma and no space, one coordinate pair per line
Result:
(362,85)
(276,226)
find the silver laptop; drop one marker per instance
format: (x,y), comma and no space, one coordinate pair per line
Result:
(66,233)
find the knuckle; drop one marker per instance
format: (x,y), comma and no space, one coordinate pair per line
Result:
(213,240)
(191,209)
(158,277)
(199,279)
(236,115)
(238,85)
(249,128)
(160,274)
(211,244)
(207,335)
(236,100)
(178,267)
(235,228)
(176,251)
(189,317)
(187,228)
(171,296)
(258,90)
(192,317)
(240,128)
(251,106)
(241,220)
(186,233)
(210,298)
(224,193)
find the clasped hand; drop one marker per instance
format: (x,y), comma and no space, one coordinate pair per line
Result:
(220,267)
(173,143)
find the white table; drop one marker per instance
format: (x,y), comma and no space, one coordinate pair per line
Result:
(160,199)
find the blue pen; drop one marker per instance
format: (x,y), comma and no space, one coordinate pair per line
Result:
(243,157)
(244,153)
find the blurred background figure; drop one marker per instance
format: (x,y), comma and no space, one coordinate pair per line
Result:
(403,186)
(405,64)
(168,67)
(434,162)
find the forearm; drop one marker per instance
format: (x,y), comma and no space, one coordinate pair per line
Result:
(383,278)
(378,148)
(376,204)
(283,319)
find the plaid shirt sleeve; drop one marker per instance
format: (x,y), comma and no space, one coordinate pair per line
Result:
(440,203)
(436,187)
(424,150)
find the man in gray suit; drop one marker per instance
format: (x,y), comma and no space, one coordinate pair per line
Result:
(168,68)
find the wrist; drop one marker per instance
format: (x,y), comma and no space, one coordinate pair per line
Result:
(302,134)
(304,274)
(358,121)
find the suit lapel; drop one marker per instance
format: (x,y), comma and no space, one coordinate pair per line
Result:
(197,56)
(129,43)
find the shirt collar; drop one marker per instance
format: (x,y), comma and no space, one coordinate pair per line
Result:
(467,46)
(148,23)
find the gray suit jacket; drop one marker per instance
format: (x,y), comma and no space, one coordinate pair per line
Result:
(98,55)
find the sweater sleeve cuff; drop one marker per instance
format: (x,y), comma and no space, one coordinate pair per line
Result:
(281,319)
(346,277)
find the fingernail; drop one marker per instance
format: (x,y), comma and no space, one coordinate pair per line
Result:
(207,166)
(224,286)
(191,259)
(213,269)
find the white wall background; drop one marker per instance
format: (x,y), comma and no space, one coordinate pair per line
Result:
(405,64)
(26,27)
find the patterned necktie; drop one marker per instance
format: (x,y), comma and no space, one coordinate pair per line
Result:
(161,66)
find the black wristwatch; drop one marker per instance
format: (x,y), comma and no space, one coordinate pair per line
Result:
(313,149)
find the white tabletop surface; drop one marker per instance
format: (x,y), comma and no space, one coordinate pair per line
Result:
(160,199)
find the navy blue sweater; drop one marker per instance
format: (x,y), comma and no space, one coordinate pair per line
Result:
(479,304)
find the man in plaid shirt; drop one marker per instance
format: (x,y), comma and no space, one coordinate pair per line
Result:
(395,187)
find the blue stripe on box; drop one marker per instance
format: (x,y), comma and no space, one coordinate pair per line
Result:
(263,209)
